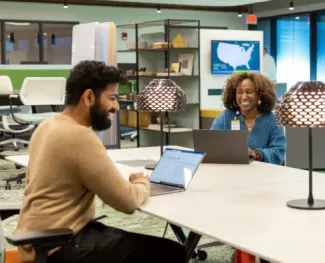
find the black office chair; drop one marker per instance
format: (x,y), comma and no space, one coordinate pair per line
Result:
(42,241)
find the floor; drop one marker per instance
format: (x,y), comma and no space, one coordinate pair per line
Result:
(135,222)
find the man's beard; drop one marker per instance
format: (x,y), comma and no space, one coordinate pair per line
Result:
(99,118)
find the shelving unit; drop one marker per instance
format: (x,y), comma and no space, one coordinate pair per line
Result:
(142,37)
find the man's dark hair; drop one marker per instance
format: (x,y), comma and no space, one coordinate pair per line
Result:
(92,75)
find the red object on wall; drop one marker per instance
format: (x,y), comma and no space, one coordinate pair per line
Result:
(124,36)
(251,19)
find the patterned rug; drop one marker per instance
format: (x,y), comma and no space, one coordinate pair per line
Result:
(134,223)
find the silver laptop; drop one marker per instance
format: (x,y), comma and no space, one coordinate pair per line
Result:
(222,146)
(174,171)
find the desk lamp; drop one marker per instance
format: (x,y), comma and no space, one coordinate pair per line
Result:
(304,106)
(161,95)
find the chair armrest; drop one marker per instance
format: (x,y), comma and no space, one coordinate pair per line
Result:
(13,96)
(19,121)
(49,236)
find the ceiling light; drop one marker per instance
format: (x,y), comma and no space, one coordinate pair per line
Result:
(17,24)
(240,14)
(158,9)
(291,7)
(65,3)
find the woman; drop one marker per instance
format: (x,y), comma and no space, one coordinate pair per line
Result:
(249,99)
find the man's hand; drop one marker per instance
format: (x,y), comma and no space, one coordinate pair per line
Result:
(252,153)
(135,176)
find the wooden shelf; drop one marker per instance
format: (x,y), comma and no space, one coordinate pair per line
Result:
(179,76)
(173,130)
(160,49)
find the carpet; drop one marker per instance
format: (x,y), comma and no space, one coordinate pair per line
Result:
(138,222)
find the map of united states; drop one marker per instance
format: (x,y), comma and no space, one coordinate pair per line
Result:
(234,55)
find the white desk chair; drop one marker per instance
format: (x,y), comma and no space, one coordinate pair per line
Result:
(40,91)
(8,126)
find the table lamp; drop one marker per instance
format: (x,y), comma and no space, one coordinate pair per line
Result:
(161,95)
(304,106)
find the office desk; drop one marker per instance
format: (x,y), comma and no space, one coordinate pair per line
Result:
(241,205)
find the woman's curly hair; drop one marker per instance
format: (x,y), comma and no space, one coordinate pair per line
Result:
(265,89)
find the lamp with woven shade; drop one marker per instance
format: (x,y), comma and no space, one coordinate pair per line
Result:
(161,95)
(304,106)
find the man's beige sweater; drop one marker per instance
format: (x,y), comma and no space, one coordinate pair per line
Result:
(68,166)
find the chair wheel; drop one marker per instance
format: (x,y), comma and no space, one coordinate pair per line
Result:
(19,182)
(7,187)
(202,255)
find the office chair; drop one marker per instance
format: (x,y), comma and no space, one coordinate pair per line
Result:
(42,241)
(7,125)
(39,91)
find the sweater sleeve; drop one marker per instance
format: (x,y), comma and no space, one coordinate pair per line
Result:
(219,122)
(97,172)
(276,148)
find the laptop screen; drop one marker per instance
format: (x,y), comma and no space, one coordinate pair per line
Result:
(176,167)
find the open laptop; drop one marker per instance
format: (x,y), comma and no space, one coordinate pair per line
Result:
(222,146)
(174,171)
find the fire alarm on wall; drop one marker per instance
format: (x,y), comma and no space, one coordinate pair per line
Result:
(124,36)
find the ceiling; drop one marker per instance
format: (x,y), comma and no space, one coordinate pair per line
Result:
(196,2)
(202,5)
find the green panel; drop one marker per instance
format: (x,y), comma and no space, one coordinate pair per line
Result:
(17,76)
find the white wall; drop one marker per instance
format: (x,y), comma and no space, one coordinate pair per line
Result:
(209,81)
(56,12)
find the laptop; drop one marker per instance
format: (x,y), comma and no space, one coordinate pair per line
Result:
(174,171)
(222,146)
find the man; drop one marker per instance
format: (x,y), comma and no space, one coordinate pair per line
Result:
(68,166)
(269,70)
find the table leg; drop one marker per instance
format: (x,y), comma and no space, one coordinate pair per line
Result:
(190,245)
(190,242)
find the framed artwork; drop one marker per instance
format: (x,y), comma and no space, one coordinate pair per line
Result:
(187,62)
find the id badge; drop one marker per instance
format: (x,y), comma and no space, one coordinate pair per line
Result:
(235,125)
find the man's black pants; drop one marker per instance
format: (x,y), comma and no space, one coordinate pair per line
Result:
(98,243)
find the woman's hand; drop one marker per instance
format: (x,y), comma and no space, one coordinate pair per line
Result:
(252,153)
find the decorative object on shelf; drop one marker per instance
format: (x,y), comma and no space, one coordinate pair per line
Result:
(123,114)
(161,95)
(187,62)
(165,74)
(141,45)
(179,42)
(144,119)
(175,67)
(303,106)
(158,45)
(165,119)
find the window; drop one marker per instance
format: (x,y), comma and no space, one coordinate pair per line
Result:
(293,49)
(22,42)
(321,47)
(57,43)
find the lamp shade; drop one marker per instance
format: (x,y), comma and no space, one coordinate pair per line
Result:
(303,105)
(161,95)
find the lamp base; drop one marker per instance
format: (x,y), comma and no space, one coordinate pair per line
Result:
(151,166)
(303,204)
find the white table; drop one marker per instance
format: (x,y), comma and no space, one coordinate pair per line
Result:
(241,205)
